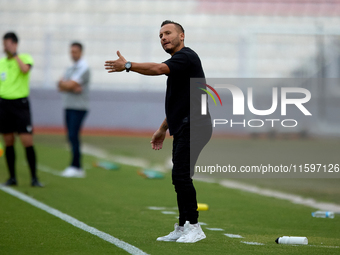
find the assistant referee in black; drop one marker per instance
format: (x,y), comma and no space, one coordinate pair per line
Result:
(15,116)
(183,65)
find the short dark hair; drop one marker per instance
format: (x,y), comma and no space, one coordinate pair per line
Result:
(179,26)
(12,36)
(77,44)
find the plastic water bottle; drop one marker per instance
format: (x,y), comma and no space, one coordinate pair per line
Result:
(292,240)
(323,214)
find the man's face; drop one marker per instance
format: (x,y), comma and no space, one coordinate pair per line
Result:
(10,47)
(75,53)
(171,38)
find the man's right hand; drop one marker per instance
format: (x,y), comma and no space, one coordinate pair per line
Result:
(116,65)
(157,139)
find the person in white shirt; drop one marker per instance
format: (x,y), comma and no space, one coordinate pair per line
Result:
(74,87)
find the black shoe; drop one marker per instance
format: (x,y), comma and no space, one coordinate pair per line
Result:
(36,183)
(11,182)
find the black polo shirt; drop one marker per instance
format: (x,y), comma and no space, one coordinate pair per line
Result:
(183,65)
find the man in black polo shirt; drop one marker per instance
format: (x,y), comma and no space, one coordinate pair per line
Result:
(183,65)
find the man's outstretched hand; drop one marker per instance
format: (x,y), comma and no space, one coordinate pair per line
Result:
(116,65)
(157,139)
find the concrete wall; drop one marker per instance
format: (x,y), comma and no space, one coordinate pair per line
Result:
(109,109)
(144,111)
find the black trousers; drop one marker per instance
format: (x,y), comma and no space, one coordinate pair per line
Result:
(185,152)
(74,120)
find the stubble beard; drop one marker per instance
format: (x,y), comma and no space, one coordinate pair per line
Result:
(176,42)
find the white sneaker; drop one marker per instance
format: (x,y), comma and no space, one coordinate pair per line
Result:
(72,171)
(174,235)
(192,233)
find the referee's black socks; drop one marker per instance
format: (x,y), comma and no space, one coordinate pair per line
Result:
(31,159)
(10,159)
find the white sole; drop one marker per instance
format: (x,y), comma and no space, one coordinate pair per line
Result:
(166,240)
(201,237)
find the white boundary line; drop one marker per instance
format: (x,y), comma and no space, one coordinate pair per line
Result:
(252,243)
(295,199)
(130,161)
(73,221)
(100,153)
(49,170)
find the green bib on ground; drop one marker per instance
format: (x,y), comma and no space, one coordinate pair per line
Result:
(14,84)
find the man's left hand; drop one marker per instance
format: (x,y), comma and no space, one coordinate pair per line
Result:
(116,65)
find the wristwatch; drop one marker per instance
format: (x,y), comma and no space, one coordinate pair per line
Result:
(128,66)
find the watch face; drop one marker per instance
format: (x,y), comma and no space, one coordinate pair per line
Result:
(128,65)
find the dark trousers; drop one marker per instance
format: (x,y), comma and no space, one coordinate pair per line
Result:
(184,161)
(74,120)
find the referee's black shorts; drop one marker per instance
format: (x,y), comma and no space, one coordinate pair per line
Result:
(15,116)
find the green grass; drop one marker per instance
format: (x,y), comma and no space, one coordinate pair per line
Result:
(276,152)
(116,202)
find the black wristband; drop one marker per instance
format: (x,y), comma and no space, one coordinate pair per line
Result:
(14,54)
